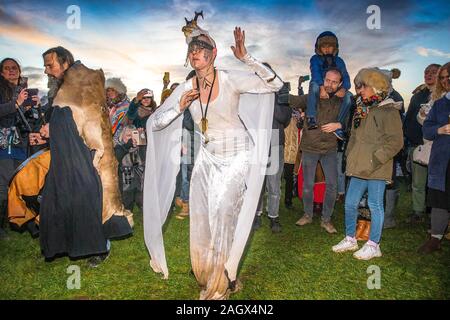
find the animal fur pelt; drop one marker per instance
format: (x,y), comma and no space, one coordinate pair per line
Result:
(83,91)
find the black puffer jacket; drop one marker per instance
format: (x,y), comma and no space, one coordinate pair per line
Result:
(282,113)
(411,128)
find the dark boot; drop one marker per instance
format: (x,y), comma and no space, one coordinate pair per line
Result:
(275,225)
(257,222)
(95,261)
(391,203)
(415,218)
(432,245)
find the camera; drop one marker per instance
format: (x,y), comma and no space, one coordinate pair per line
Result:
(283,94)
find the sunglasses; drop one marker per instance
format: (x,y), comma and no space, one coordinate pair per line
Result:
(198,45)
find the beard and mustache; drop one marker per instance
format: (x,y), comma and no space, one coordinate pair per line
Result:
(53,85)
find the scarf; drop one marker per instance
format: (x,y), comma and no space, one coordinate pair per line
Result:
(144,112)
(363,107)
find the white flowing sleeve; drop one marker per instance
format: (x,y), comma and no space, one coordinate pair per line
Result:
(262,80)
(169,110)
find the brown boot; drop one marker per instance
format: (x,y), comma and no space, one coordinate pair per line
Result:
(433,244)
(178,202)
(184,211)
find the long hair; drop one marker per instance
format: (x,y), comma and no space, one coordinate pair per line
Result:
(439,90)
(6,91)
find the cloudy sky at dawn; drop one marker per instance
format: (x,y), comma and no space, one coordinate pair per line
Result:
(140,40)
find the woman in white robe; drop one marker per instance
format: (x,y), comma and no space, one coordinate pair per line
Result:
(229,168)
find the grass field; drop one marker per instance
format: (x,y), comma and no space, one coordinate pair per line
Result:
(296,264)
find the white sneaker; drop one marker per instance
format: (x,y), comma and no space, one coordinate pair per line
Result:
(368,252)
(346,245)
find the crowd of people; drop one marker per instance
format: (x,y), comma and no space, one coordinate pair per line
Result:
(330,146)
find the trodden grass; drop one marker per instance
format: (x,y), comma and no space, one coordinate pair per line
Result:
(296,264)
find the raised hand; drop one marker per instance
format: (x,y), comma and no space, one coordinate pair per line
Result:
(239,49)
(140,95)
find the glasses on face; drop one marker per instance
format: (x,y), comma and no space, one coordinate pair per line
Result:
(146,98)
(195,48)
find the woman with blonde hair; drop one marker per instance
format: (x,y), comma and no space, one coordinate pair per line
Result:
(376,137)
(437,129)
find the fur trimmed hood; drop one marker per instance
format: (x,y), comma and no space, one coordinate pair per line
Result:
(327,37)
(116,84)
(375,78)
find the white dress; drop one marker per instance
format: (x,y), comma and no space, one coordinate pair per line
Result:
(227,176)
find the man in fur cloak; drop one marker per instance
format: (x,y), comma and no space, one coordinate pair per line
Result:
(81,206)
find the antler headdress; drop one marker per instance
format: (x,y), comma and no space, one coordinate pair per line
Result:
(191,31)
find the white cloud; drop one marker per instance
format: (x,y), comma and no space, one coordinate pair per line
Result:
(426,52)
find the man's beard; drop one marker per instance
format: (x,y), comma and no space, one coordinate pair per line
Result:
(53,86)
(330,91)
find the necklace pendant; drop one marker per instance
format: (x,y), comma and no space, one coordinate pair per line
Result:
(204,125)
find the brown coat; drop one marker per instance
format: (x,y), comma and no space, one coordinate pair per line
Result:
(83,90)
(373,145)
(291,142)
(316,141)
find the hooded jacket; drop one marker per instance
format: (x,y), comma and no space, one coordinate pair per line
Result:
(373,145)
(319,63)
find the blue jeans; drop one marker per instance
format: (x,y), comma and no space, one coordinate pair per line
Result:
(356,189)
(185,179)
(345,109)
(314,95)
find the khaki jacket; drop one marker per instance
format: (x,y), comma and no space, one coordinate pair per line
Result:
(373,145)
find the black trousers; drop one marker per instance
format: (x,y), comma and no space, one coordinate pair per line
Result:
(289,177)
(132,197)
(7,169)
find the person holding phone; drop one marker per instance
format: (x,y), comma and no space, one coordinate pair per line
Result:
(130,153)
(13,135)
(141,107)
